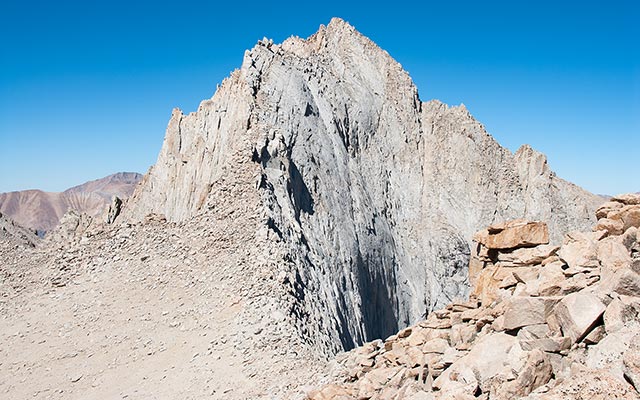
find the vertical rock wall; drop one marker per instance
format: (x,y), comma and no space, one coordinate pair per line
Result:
(373,194)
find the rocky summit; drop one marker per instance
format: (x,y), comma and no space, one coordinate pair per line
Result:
(313,205)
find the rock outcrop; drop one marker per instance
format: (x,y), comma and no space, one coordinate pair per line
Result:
(535,329)
(12,234)
(373,194)
(42,211)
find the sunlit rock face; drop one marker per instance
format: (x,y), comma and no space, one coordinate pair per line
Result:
(372,194)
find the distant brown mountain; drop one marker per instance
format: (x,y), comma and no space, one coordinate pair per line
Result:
(42,211)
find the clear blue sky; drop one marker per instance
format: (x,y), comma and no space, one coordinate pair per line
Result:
(86,88)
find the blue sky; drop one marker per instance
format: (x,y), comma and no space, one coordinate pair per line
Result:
(86,88)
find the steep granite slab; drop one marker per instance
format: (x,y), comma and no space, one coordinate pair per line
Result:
(374,193)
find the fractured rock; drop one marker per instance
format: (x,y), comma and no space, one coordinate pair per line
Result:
(628,215)
(527,256)
(578,313)
(609,352)
(487,357)
(523,311)
(627,199)
(536,372)
(622,311)
(513,234)
(611,226)
(580,249)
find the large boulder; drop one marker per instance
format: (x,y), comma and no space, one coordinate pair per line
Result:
(613,254)
(629,215)
(513,234)
(580,249)
(489,355)
(535,372)
(578,313)
(524,311)
(611,226)
(610,351)
(627,199)
(527,256)
(622,311)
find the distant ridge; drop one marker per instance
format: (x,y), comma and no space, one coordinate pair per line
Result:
(41,211)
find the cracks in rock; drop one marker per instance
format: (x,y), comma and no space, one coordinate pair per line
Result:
(299,192)
(376,283)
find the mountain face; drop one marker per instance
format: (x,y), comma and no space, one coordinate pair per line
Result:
(42,211)
(371,195)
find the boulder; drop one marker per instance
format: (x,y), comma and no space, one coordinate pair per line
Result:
(609,352)
(580,249)
(488,356)
(606,208)
(536,372)
(541,337)
(114,210)
(613,254)
(611,226)
(418,337)
(527,255)
(462,334)
(622,311)
(629,215)
(534,332)
(513,234)
(578,313)
(435,346)
(627,199)
(523,311)
(487,285)
(623,281)
(72,226)
(550,279)
(631,239)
